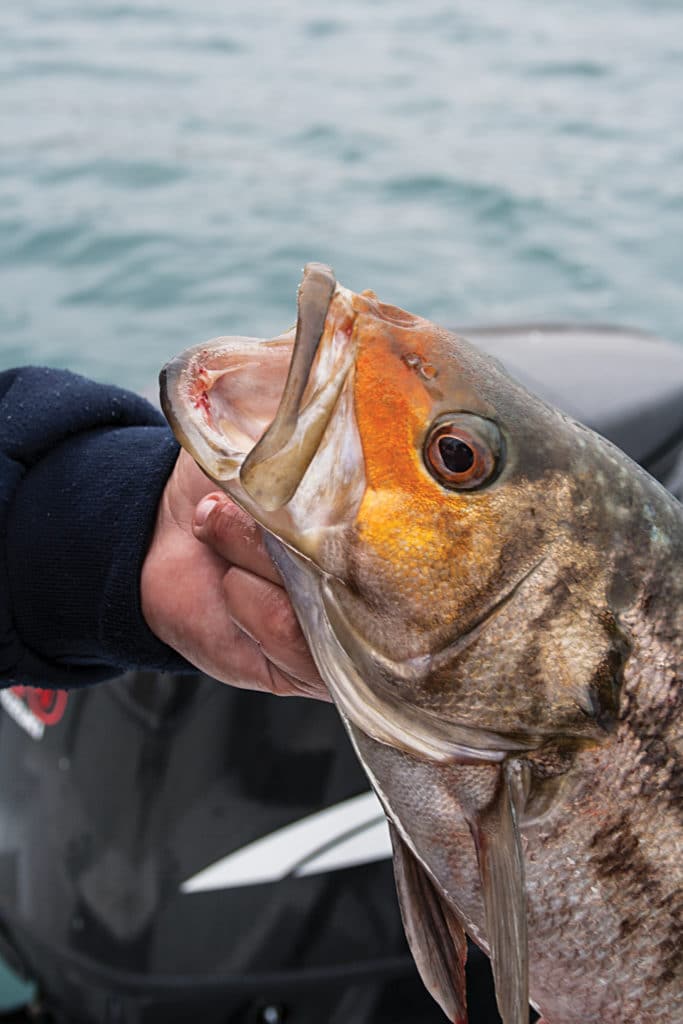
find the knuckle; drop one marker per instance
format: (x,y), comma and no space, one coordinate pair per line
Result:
(224,521)
(222,516)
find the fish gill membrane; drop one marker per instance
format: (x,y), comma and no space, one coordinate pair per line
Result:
(492,594)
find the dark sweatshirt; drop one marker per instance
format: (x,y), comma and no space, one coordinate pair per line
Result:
(82,469)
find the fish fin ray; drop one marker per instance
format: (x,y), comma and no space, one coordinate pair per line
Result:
(501,866)
(435,935)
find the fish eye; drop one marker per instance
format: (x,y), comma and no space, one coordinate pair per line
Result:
(463,451)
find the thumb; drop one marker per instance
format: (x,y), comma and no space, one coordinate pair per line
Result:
(203,511)
(231,533)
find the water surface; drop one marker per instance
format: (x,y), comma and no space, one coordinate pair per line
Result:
(167,168)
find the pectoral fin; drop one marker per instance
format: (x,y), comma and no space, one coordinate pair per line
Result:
(501,866)
(435,935)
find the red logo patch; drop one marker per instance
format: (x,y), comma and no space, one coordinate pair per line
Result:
(47,705)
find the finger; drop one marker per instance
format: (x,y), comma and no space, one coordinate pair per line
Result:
(231,533)
(250,668)
(263,611)
(284,685)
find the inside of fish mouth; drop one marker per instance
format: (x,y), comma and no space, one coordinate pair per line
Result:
(237,391)
(247,391)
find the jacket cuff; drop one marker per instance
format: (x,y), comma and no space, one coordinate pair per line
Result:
(78,612)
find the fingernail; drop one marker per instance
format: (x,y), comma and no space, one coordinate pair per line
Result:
(201,513)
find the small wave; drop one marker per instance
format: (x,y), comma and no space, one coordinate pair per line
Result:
(107,248)
(319,131)
(225,45)
(112,12)
(91,71)
(436,185)
(125,174)
(157,290)
(581,275)
(590,130)
(48,246)
(561,69)
(319,28)
(489,201)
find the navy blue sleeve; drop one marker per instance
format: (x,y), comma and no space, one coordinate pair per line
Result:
(82,469)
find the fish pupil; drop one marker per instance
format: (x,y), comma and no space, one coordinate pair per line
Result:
(457,456)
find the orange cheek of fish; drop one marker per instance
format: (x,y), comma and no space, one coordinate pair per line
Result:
(410,522)
(393,409)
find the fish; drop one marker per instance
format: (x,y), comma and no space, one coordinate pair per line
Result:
(492,594)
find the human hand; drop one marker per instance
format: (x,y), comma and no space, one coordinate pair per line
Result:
(211,592)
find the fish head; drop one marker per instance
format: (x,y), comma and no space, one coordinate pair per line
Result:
(439,528)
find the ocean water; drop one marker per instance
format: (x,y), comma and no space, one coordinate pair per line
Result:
(166,168)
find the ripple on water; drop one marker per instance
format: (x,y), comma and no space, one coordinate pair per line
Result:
(110,247)
(223,45)
(111,12)
(487,201)
(568,68)
(135,285)
(553,260)
(125,174)
(45,246)
(319,28)
(598,130)
(92,71)
(346,144)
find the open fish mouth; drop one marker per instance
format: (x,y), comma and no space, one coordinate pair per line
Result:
(208,393)
(256,413)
